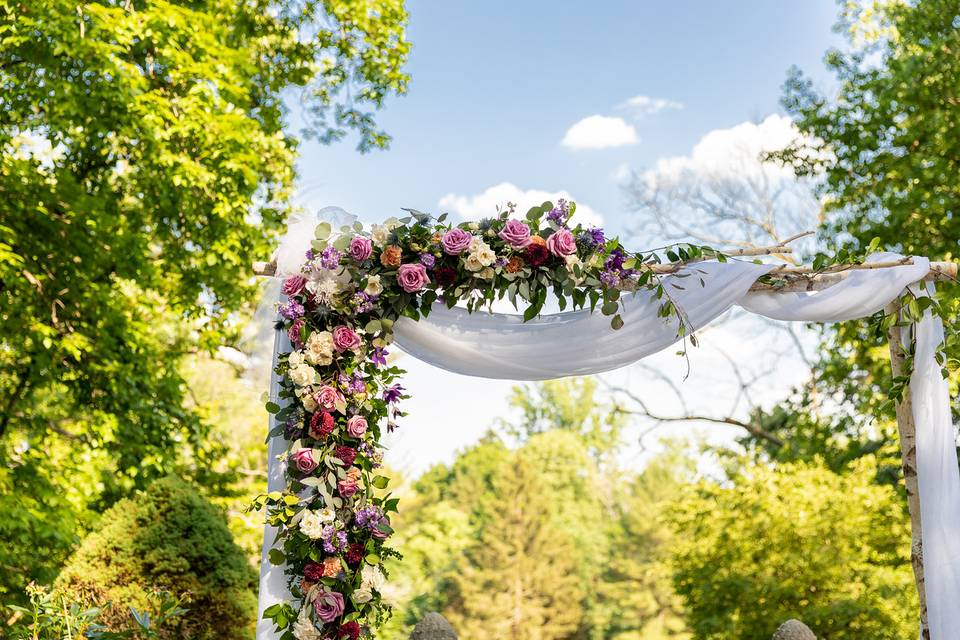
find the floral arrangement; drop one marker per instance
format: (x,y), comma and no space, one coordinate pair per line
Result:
(340,391)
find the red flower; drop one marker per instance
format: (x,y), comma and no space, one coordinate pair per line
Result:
(321,425)
(444,276)
(537,254)
(313,571)
(355,553)
(349,630)
(346,454)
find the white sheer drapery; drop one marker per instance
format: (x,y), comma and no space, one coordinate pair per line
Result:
(579,343)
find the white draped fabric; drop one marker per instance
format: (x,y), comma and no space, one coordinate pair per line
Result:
(580,343)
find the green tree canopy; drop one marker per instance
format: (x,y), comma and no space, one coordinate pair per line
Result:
(795,541)
(144,164)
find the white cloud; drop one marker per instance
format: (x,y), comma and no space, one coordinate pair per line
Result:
(645,105)
(600,132)
(484,204)
(733,154)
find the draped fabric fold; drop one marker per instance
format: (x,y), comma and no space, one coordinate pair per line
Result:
(580,343)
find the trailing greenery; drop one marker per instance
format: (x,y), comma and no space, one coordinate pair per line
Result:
(166,538)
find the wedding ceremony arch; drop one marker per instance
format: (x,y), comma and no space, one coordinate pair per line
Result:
(348,295)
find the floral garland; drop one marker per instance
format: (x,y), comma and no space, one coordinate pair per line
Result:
(339,390)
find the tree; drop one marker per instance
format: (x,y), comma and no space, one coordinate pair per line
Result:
(886,148)
(519,580)
(168,538)
(144,164)
(795,541)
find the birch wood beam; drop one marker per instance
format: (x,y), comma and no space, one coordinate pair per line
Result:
(908,455)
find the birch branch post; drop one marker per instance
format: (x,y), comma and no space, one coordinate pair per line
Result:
(908,454)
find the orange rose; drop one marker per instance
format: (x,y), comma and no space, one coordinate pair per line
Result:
(391,256)
(538,240)
(515,264)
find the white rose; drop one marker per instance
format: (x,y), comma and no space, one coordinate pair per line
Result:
(311,524)
(379,234)
(486,273)
(476,244)
(373,288)
(327,515)
(372,578)
(391,223)
(362,594)
(307,400)
(296,359)
(472,263)
(303,375)
(485,256)
(303,628)
(319,348)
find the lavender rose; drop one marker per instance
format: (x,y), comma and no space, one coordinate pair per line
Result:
(412,277)
(329,606)
(562,243)
(303,460)
(361,248)
(345,338)
(357,426)
(516,234)
(455,241)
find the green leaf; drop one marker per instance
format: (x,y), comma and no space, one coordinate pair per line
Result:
(322,232)
(272,407)
(380,482)
(609,308)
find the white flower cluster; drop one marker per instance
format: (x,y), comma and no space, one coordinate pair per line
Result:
(312,522)
(303,628)
(301,373)
(371,578)
(480,258)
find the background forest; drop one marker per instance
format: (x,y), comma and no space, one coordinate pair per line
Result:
(147,158)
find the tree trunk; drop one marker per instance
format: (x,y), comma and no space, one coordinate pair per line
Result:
(908,453)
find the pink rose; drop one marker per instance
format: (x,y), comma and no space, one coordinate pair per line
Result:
(357,426)
(360,248)
(412,277)
(328,605)
(455,241)
(303,460)
(293,285)
(516,234)
(347,487)
(294,332)
(328,398)
(378,533)
(345,338)
(561,243)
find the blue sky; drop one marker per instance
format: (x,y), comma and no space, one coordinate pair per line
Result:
(496,86)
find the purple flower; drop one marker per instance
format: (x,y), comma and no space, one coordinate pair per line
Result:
(428,260)
(592,238)
(291,310)
(392,394)
(559,213)
(371,453)
(370,517)
(616,259)
(330,258)
(379,356)
(610,279)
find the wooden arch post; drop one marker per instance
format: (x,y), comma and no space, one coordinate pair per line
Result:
(907,429)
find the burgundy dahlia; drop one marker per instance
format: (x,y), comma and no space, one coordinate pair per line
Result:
(537,254)
(349,630)
(355,553)
(321,425)
(347,454)
(444,276)
(313,571)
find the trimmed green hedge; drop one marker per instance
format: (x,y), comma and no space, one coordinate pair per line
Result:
(169,537)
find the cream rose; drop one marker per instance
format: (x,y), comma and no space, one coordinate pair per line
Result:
(472,263)
(486,273)
(373,288)
(311,524)
(379,234)
(319,348)
(303,628)
(304,375)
